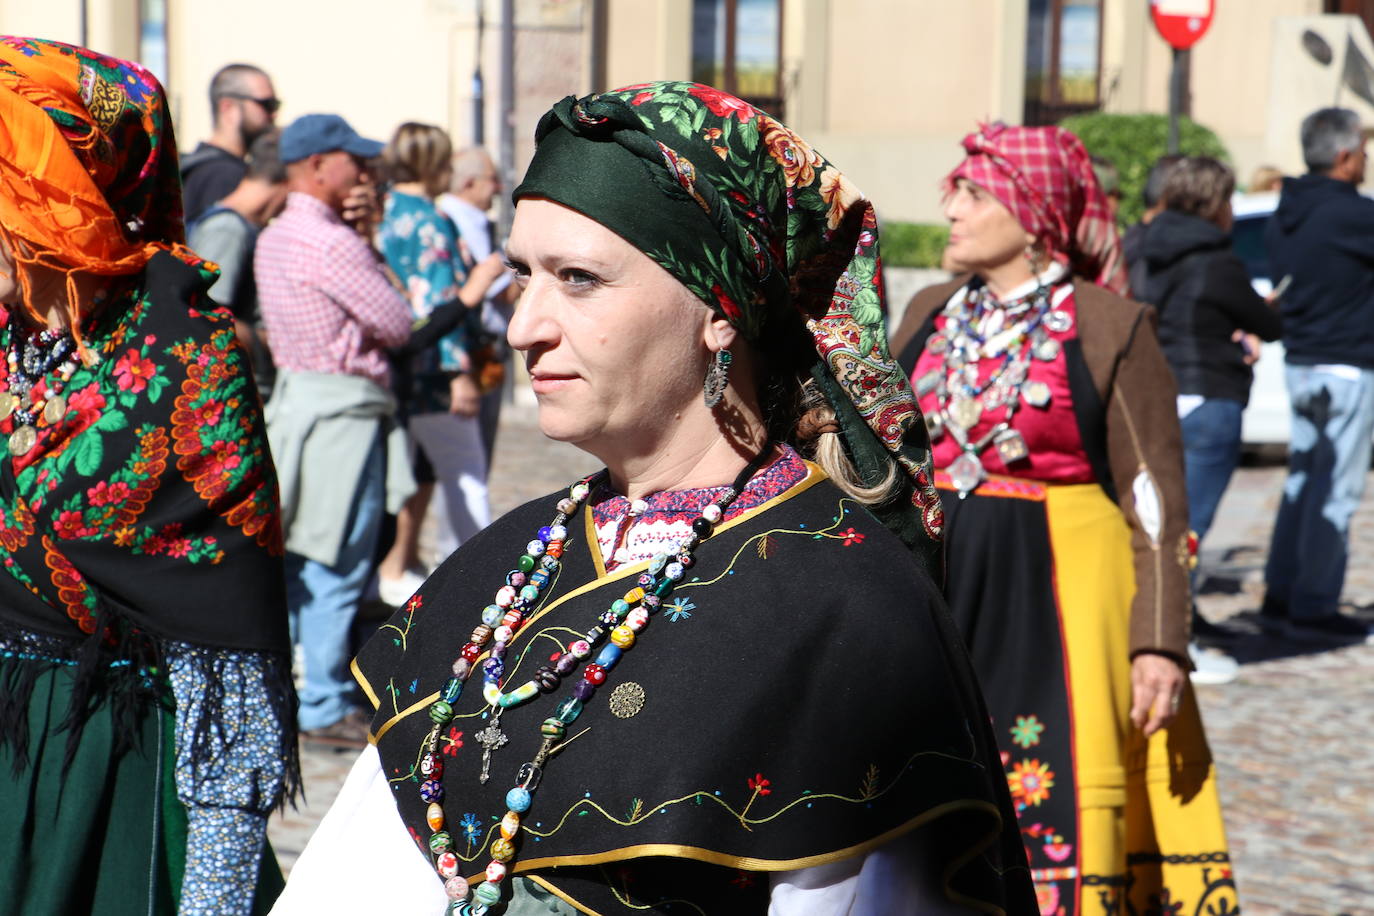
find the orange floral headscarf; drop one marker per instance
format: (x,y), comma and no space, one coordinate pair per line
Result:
(88,165)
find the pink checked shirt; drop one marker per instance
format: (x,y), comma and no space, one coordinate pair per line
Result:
(325,299)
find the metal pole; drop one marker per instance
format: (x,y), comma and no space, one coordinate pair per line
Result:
(597,66)
(479,119)
(507,150)
(1175,99)
(84,24)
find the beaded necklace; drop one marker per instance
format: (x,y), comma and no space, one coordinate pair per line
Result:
(30,393)
(623,621)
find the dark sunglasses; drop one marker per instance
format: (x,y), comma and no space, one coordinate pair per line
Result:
(269,104)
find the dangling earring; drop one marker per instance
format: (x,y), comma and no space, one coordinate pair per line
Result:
(716,378)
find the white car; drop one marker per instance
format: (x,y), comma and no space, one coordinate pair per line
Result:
(1267,417)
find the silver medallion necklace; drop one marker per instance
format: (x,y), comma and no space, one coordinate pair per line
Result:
(978,329)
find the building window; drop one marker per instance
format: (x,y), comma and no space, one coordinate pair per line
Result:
(1063,59)
(152,37)
(737,47)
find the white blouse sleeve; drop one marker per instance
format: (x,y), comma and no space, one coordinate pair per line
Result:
(360,837)
(898,879)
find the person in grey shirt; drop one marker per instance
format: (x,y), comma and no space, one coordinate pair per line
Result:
(227,233)
(474,186)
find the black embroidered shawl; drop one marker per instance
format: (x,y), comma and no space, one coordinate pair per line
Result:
(800,699)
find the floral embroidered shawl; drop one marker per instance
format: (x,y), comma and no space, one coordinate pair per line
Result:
(765,231)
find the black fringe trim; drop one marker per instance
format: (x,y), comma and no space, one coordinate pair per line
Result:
(126,668)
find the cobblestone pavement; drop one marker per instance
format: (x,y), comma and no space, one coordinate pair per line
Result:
(1291,736)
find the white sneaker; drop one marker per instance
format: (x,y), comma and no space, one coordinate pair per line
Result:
(1211,666)
(396,592)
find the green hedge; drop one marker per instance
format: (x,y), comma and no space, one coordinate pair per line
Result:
(1132,143)
(912,244)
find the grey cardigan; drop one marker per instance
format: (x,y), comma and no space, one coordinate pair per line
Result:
(321,427)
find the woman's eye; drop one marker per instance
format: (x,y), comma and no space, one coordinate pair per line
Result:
(521,271)
(576,277)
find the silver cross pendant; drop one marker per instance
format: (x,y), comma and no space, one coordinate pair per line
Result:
(491,738)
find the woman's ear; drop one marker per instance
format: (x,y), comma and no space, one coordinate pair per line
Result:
(720,334)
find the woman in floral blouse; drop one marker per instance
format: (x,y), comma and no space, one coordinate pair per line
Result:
(146,705)
(438,389)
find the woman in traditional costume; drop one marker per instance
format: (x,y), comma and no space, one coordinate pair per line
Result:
(146,706)
(1051,412)
(716,677)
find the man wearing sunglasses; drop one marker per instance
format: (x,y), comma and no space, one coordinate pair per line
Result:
(243,106)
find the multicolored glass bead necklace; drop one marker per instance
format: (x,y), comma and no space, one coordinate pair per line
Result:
(622,622)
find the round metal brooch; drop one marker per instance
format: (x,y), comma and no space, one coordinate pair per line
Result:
(627,700)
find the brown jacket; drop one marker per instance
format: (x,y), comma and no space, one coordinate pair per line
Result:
(1139,434)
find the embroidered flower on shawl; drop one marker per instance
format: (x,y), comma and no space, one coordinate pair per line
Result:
(795,155)
(133,371)
(1030,782)
(838,193)
(678,609)
(106,494)
(852,537)
(760,785)
(1047,897)
(70,524)
(452,741)
(723,104)
(472,827)
(87,404)
(1027,731)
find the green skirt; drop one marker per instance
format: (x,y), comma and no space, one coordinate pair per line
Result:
(105,837)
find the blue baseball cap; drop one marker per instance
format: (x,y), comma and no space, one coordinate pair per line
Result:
(323,133)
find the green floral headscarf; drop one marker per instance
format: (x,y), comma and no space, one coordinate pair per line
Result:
(764,230)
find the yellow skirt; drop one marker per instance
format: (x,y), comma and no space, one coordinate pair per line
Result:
(1040,579)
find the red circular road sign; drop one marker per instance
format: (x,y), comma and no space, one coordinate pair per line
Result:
(1182,22)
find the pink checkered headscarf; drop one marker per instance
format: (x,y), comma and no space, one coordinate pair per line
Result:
(1044,177)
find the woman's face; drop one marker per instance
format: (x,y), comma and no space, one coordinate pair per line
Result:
(616,347)
(983,234)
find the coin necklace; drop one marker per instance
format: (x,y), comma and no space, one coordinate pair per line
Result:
(622,622)
(976,328)
(30,393)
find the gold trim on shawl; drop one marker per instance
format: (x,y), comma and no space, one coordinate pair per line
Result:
(363,683)
(814,475)
(748,863)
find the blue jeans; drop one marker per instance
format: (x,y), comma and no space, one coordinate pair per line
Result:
(1211,451)
(324,599)
(1328,458)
